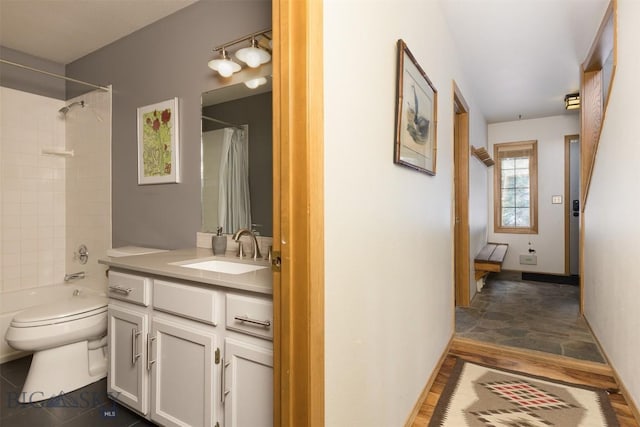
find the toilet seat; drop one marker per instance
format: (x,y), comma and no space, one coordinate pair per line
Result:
(67,310)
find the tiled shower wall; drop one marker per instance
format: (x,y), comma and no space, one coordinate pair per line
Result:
(88,184)
(49,203)
(32,191)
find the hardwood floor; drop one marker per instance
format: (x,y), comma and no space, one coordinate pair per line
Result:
(534,363)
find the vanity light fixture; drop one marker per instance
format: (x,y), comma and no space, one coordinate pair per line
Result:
(254,83)
(572,101)
(254,56)
(223,65)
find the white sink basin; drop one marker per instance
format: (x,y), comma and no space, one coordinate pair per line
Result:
(225,267)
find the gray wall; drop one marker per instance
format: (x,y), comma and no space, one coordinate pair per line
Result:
(30,81)
(164,60)
(255,111)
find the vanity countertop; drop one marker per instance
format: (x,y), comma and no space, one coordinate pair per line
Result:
(162,264)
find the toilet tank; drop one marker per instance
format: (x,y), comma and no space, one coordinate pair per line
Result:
(132,250)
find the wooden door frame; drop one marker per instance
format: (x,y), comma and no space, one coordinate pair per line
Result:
(593,109)
(298,212)
(461,198)
(567,203)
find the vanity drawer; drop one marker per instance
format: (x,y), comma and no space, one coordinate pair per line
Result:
(250,315)
(187,301)
(129,287)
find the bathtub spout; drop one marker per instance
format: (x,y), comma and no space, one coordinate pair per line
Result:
(71,276)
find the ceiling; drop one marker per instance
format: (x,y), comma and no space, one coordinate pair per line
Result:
(521,56)
(65,30)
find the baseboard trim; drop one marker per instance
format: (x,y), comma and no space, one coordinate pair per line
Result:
(427,387)
(623,389)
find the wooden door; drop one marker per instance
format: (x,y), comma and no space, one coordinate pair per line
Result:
(461,182)
(298,232)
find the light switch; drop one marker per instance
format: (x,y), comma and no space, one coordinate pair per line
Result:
(556,200)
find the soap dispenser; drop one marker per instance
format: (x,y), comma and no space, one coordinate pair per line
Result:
(219,243)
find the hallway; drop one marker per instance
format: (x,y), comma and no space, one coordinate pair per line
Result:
(529,315)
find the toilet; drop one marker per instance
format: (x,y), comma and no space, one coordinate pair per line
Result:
(68,339)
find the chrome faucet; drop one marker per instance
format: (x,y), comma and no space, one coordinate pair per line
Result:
(71,276)
(256,250)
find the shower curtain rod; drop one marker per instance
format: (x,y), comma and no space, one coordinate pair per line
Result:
(15,64)
(222,122)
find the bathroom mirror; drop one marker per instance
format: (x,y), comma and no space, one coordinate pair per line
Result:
(236,155)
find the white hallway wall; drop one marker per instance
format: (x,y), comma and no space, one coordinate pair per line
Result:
(388,229)
(612,230)
(549,242)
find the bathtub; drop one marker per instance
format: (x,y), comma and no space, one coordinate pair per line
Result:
(12,302)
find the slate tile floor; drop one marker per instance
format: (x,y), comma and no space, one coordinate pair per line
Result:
(86,407)
(530,315)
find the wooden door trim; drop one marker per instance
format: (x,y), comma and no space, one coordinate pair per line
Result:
(461,176)
(593,100)
(298,290)
(567,202)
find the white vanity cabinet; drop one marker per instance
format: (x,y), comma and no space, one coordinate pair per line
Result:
(248,367)
(163,357)
(182,367)
(248,384)
(127,329)
(127,377)
(182,354)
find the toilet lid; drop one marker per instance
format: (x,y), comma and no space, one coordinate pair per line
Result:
(60,311)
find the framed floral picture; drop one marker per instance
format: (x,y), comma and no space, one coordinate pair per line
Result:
(158,143)
(416,115)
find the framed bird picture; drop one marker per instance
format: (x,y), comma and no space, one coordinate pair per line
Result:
(416,115)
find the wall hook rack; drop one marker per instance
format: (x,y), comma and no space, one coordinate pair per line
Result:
(482,154)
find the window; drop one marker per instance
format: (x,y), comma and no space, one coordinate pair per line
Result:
(515,189)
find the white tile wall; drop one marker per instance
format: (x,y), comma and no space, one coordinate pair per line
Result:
(32,190)
(50,204)
(88,184)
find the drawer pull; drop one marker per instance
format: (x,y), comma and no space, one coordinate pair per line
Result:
(120,290)
(265,323)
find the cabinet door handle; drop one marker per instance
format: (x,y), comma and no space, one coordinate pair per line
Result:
(121,290)
(223,392)
(222,381)
(247,319)
(134,345)
(150,361)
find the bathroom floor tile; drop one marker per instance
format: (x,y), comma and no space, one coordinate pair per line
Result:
(16,371)
(88,406)
(29,417)
(109,414)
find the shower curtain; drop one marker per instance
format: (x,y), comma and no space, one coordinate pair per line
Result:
(234,204)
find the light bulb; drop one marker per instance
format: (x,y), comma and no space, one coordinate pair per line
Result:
(254,83)
(252,58)
(225,69)
(223,65)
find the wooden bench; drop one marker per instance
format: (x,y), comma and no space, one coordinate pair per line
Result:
(490,259)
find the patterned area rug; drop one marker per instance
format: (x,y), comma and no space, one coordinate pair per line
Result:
(478,396)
